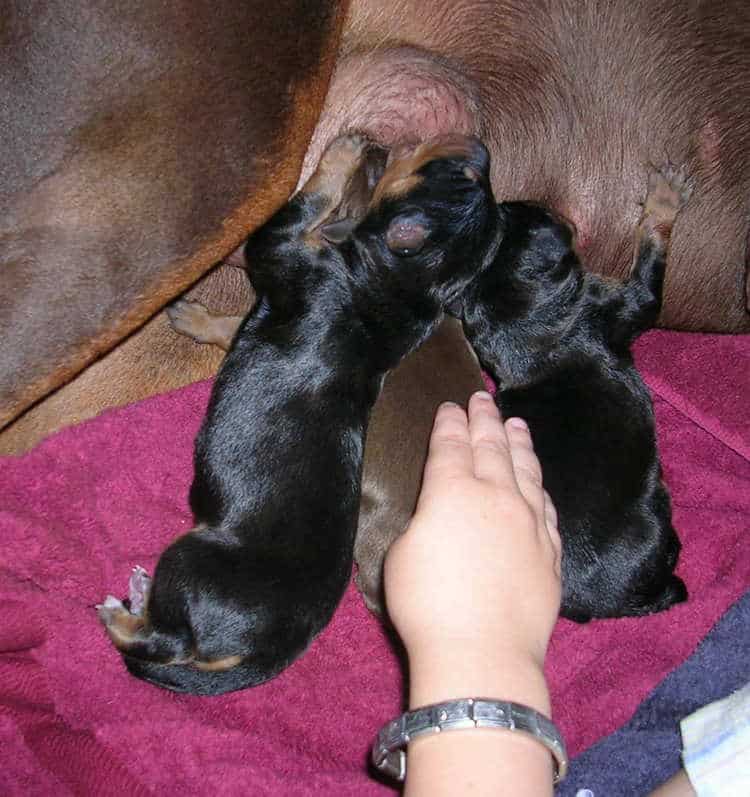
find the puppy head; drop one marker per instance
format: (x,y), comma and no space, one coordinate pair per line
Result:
(213,621)
(432,222)
(537,243)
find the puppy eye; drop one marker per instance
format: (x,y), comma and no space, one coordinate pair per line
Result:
(406,236)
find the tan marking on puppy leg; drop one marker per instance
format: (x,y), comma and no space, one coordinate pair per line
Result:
(217,665)
(668,190)
(333,180)
(122,626)
(338,164)
(400,176)
(195,321)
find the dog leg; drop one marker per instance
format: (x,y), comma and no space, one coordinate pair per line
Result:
(327,187)
(139,588)
(668,190)
(329,181)
(193,320)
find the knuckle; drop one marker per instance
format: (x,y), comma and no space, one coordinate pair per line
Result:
(489,443)
(451,440)
(529,471)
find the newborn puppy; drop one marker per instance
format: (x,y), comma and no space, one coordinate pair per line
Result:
(443,368)
(557,341)
(278,459)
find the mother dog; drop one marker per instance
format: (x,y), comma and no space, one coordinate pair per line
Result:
(117,198)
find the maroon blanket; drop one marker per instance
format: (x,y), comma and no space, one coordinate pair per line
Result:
(85,506)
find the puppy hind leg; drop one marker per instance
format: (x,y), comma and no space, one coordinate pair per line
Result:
(668,190)
(193,320)
(139,589)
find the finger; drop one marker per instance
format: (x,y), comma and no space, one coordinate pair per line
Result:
(449,455)
(550,511)
(489,442)
(550,517)
(528,471)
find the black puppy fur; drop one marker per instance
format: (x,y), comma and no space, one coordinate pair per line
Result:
(278,459)
(557,341)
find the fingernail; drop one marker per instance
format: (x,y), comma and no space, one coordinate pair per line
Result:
(518,423)
(447,404)
(483,395)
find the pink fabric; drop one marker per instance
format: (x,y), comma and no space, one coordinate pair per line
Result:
(85,506)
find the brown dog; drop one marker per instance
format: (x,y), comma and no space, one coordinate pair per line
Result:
(170,157)
(136,143)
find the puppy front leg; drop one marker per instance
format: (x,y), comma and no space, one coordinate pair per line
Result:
(195,321)
(668,190)
(328,184)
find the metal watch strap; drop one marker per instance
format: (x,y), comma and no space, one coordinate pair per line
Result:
(389,757)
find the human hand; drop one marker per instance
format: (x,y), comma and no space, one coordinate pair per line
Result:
(473,586)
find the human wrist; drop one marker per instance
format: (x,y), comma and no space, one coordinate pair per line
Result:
(463,671)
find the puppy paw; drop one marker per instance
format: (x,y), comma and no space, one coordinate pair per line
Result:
(669,188)
(111,610)
(123,624)
(345,152)
(343,156)
(139,587)
(190,319)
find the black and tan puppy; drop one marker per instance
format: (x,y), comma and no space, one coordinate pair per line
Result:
(443,368)
(557,340)
(278,460)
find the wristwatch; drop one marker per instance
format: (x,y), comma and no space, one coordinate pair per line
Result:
(389,757)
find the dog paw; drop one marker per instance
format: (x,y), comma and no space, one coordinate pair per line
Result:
(138,590)
(669,188)
(348,147)
(110,610)
(122,625)
(190,319)
(341,159)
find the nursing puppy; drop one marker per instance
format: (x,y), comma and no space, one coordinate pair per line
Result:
(278,459)
(557,341)
(443,368)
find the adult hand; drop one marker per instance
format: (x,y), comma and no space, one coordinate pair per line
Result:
(473,586)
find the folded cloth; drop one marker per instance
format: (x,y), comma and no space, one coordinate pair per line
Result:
(82,508)
(716,746)
(647,750)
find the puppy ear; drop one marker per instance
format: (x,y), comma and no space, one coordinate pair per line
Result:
(406,236)
(337,231)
